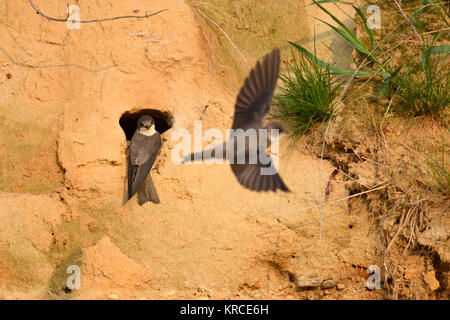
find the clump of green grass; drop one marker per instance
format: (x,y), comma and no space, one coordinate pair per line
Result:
(426,91)
(438,172)
(308,92)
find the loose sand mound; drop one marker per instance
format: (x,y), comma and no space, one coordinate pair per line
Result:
(105,266)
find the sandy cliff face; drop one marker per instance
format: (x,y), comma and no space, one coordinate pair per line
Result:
(81,81)
(155,63)
(63,170)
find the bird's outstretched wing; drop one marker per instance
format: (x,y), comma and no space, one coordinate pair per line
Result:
(252,104)
(254,98)
(249,176)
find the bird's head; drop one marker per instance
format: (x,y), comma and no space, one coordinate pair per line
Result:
(146,125)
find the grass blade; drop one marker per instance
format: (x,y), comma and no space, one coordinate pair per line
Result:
(323,64)
(364,19)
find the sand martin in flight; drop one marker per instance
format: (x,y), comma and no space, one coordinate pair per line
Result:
(252,104)
(144,148)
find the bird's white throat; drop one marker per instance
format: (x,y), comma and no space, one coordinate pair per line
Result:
(148,132)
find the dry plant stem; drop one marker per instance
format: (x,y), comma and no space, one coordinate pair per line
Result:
(212,62)
(387,110)
(297,226)
(23,65)
(407,19)
(334,201)
(404,220)
(226,35)
(278,243)
(95,20)
(347,86)
(435,31)
(372,76)
(206,5)
(413,227)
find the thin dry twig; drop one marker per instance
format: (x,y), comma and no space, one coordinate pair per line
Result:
(344,91)
(31,66)
(334,201)
(94,20)
(212,63)
(387,110)
(409,21)
(404,220)
(226,35)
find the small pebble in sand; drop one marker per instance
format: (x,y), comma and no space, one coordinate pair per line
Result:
(203,289)
(306,283)
(430,279)
(170,293)
(328,284)
(113,296)
(341,286)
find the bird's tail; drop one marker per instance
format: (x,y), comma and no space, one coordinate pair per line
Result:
(147,192)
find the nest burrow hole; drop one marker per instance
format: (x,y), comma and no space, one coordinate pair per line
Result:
(128,120)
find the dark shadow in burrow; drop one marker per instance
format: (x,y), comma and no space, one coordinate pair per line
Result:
(128,121)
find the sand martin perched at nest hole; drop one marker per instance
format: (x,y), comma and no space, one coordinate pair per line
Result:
(252,104)
(144,149)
